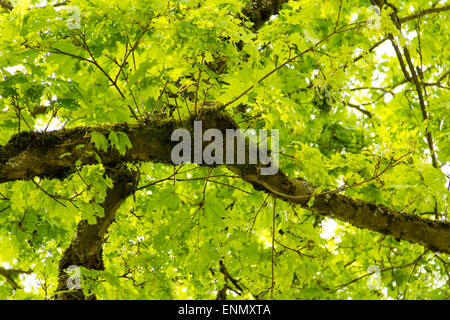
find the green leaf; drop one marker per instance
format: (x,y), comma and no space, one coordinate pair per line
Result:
(99,141)
(119,140)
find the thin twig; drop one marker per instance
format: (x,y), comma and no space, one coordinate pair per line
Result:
(423,13)
(256,214)
(411,273)
(54,197)
(375,176)
(198,86)
(339,15)
(338,30)
(294,250)
(369,274)
(6,208)
(273,246)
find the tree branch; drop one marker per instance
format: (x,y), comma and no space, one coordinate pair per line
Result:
(6,5)
(423,13)
(34,154)
(260,11)
(86,249)
(8,273)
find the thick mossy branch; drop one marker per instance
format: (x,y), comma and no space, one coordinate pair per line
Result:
(53,154)
(38,154)
(86,248)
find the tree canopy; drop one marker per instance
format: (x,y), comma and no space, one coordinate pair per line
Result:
(93,207)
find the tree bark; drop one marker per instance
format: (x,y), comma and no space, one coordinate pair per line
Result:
(37,154)
(87,246)
(260,11)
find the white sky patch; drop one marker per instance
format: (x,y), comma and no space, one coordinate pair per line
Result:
(399,88)
(382,53)
(378,78)
(388,97)
(13,69)
(30,283)
(329,227)
(55,124)
(411,35)
(353,17)
(266,239)
(341,181)
(385,48)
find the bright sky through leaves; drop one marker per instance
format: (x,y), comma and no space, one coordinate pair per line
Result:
(358,91)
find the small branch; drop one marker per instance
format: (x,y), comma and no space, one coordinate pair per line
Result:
(161,180)
(423,13)
(217,182)
(338,30)
(273,246)
(114,83)
(54,197)
(364,111)
(4,209)
(375,176)
(202,202)
(6,5)
(371,49)
(3,197)
(339,15)
(438,81)
(8,273)
(92,61)
(50,120)
(294,250)
(410,275)
(227,277)
(371,88)
(257,212)
(422,107)
(382,270)
(157,101)
(414,79)
(132,49)
(400,58)
(443,76)
(198,87)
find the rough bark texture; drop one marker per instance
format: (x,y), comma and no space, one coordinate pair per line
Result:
(37,154)
(87,246)
(33,154)
(260,11)
(6,5)
(432,234)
